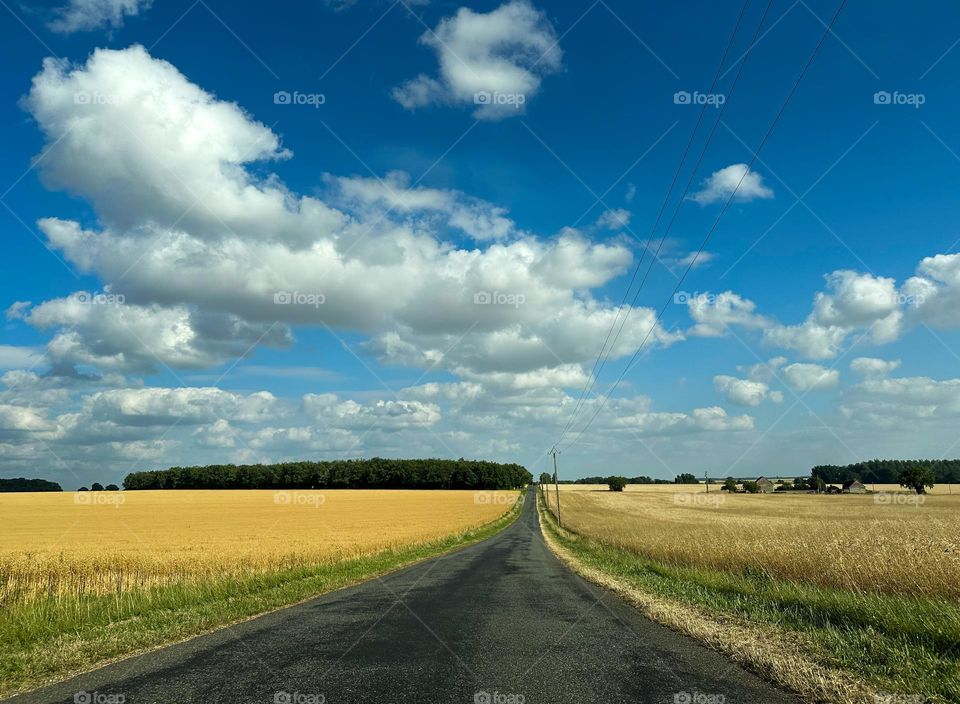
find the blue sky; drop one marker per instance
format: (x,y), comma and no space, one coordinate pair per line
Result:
(159,192)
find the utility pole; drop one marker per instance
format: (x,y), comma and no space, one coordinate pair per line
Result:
(556,483)
(706,479)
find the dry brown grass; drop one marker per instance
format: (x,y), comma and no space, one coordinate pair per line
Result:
(879,543)
(114,543)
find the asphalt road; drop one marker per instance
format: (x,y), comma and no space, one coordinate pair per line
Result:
(500,622)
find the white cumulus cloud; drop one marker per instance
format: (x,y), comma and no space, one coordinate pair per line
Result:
(736,180)
(494,61)
(810,377)
(872,367)
(745,392)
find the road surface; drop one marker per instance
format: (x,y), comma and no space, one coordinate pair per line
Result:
(499,622)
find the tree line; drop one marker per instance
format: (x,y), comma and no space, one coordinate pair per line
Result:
(375,473)
(888,471)
(23,484)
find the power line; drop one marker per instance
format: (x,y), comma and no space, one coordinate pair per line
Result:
(693,172)
(595,371)
(594,378)
(706,240)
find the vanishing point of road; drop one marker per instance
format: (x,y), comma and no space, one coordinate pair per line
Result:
(500,622)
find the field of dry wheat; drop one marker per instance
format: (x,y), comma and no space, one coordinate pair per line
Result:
(889,542)
(73,544)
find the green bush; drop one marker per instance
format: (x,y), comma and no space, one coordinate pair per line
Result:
(616,483)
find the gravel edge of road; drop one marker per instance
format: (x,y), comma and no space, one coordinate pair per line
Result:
(774,656)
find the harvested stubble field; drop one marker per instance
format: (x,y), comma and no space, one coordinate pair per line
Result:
(889,543)
(69,545)
(86,578)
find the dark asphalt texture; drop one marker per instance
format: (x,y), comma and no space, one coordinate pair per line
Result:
(499,622)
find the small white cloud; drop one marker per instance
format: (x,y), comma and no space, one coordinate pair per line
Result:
(764,371)
(871,366)
(84,15)
(394,194)
(734,179)
(745,392)
(810,377)
(614,219)
(713,313)
(18,310)
(695,261)
(387,416)
(494,61)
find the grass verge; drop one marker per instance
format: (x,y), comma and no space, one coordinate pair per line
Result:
(827,645)
(57,638)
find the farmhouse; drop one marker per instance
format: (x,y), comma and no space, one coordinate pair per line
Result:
(854,486)
(765,486)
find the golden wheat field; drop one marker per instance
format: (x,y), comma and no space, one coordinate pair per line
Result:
(885,542)
(71,544)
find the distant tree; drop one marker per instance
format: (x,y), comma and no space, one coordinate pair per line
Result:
(83,488)
(616,483)
(817,484)
(22,484)
(729,484)
(96,486)
(751,487)
(545,478)
(917,478)
(112,487)
(685,478)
